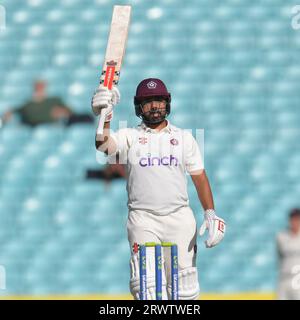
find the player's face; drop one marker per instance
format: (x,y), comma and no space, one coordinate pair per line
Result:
(295,224)
(154,109)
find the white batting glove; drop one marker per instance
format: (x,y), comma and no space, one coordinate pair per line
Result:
(105,98)
(216,228)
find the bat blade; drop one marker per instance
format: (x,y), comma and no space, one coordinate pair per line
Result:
(115,52)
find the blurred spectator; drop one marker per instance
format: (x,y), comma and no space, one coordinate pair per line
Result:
(42,109)
(113,170)
(288,248)
(109,173)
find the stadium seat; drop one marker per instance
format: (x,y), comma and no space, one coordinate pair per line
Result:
(232,70)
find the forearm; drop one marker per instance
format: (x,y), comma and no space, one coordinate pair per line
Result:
(216,226)
(101,139)
(104,142)
(202,186)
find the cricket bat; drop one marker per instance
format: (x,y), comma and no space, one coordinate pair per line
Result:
(115,51)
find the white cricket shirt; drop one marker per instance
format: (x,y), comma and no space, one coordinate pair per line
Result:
(288,247)
(156,164)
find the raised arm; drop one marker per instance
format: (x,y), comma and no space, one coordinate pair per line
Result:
(105,143)
(107,99)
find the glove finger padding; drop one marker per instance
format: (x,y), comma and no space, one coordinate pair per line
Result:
(217,232)
(202,229)
(216,228)
(105,98)
(116,96)
(112,95)
(102,99)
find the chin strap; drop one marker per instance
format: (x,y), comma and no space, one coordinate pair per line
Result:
(153,122)
(146,121)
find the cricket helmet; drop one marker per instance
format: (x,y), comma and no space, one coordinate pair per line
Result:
(151,89)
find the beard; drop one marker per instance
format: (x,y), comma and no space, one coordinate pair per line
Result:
(154,116)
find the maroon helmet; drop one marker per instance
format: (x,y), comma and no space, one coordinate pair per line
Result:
(151,89)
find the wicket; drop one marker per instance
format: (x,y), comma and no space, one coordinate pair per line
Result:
(158,269)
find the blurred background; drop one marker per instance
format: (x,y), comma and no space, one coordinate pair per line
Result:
(232,68)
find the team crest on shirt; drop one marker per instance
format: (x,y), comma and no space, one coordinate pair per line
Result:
(142,140)
(174,142)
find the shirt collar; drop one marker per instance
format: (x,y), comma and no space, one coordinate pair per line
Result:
(168,128)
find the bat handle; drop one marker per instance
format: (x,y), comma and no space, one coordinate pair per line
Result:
(101,122)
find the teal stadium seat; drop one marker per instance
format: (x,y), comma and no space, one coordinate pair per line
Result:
(61,233)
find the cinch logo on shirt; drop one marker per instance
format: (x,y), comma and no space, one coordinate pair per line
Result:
(156,161)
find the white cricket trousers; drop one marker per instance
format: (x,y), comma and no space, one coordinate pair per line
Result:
(288,289)
(178,227)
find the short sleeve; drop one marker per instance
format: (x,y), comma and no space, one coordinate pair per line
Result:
(122,139)
(192,155)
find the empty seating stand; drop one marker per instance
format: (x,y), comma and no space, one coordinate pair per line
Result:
(232,70)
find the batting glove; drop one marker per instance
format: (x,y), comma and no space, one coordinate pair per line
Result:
(216,228)
(105,98)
